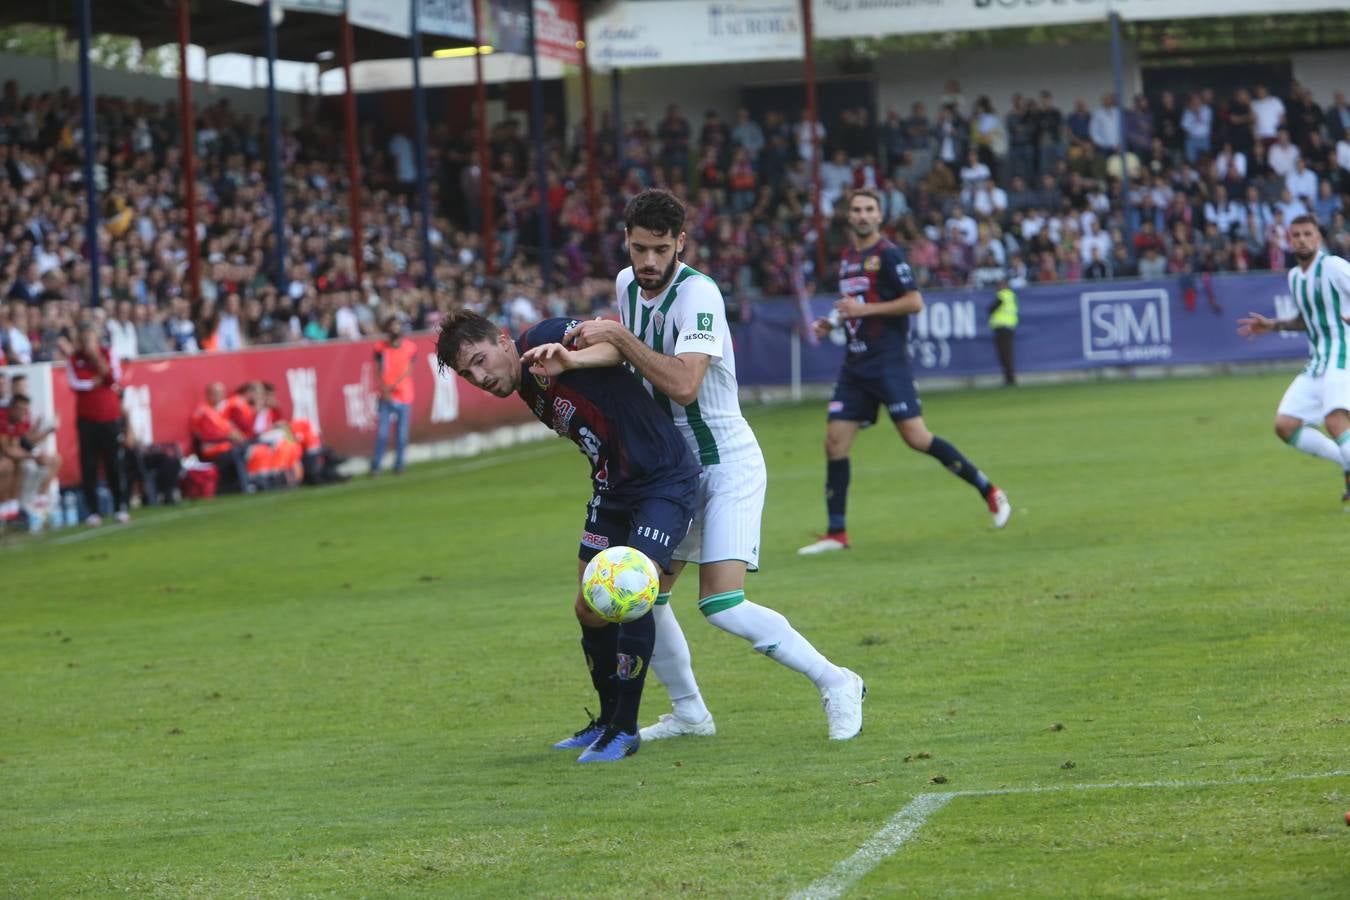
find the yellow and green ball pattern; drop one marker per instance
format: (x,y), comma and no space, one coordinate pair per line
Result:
(620,584)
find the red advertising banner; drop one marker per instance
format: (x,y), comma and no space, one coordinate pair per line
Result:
(557,30)
(334,386)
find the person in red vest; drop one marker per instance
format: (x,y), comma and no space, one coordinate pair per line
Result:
(95,375)
(217,440)
(394,359)
(32,470)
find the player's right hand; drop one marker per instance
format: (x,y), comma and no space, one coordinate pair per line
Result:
(821,328)
(1253,324)
(549,360)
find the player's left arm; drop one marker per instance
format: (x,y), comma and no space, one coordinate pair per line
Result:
(700,322)
(1340,279)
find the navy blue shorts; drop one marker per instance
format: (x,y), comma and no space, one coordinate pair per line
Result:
(856,397)
(654,525)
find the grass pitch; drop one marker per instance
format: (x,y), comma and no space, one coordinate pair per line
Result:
(352,691)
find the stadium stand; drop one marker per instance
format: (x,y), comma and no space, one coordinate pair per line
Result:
(972,193)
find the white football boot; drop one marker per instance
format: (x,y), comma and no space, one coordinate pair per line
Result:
(843,707)
(827,544)
(671,725)
(999,507)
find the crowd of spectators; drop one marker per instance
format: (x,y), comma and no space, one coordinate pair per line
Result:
(973,194)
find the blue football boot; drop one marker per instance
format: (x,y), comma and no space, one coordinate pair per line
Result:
(583,738)
(611,746)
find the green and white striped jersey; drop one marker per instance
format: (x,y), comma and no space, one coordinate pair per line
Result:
(1322,294)
(691,317)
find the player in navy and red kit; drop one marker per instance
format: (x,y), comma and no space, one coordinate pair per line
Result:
(878,297)
(644,477)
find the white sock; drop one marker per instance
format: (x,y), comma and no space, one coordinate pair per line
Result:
(1343,448)
(1315,443)
(672,666)
(771,634)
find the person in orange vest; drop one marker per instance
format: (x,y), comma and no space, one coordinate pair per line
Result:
(318,463)
(263,458)
(218,440)
(394,359)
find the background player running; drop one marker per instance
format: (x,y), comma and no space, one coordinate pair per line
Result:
(1320,286)
(878,297)
(643,476)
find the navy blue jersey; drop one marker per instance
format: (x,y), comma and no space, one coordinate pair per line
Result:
(876,275)
(634,447)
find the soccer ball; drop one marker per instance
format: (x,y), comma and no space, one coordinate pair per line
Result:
(620,584)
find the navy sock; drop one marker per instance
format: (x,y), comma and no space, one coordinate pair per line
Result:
(836,492)
(963,468)
(600,646)
(636,640)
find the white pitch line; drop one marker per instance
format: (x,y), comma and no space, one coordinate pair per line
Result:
(893,835)
(905,824)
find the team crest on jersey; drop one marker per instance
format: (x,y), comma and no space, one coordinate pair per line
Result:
(659,319)
(541,380)
(873,264)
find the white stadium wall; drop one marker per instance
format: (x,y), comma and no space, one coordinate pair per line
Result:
(1323,72)
(37,75)
(1068,72)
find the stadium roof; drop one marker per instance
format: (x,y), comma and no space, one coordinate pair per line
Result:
(221,26)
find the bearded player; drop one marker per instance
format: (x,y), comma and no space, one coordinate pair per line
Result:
(1320,286)
(673,332)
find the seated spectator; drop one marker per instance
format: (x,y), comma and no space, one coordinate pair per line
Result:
(1328,203)
(1152,264)
(989,200)
(31,471)
(1282,154)
(962,226)
(1290,207)
(1222,212)
(1097,268)
(319,464)
(122,335)
(973,175)
(216,439)
(151,339)
(1122,265)
(1230,166)
(1302,182)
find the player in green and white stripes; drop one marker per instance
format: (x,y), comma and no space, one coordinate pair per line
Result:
(673,333)
(1320,286)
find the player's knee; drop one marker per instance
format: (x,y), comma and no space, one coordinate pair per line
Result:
(586,616)
(917,438)
(1284,429)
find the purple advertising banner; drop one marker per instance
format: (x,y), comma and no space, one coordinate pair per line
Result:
(1064,326)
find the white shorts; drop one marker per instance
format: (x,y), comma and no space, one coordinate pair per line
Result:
(1311,398)
(727,514)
